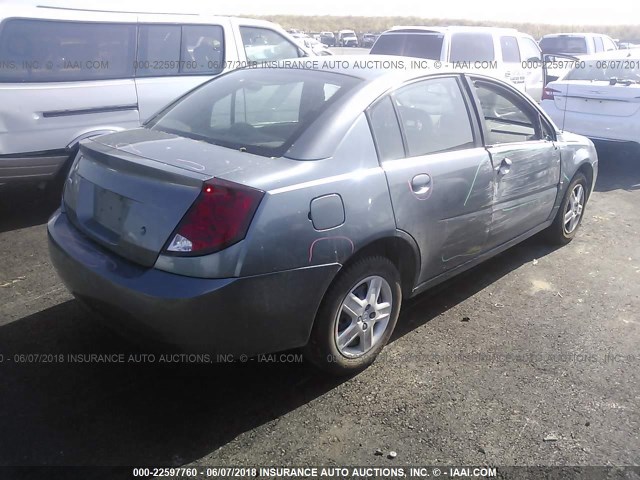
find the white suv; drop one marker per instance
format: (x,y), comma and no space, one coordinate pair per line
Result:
(501,52)
(576,43)
(71,73)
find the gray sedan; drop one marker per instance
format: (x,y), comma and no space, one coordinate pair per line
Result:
(291,207)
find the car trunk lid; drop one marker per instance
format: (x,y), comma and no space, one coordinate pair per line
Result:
(129,191)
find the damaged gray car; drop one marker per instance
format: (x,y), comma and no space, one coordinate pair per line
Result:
(279,208)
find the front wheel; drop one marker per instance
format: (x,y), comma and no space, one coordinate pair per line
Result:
(356,318)
(565,226)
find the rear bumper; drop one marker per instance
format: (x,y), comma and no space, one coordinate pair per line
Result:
(31,167)
(248,315)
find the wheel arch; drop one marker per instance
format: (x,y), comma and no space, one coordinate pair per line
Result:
(401,250)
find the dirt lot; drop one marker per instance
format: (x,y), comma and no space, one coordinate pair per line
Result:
(549,351)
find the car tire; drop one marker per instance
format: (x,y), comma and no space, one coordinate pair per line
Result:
(569,216)
(354,323)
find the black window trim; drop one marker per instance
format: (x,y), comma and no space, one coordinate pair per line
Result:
(542,121)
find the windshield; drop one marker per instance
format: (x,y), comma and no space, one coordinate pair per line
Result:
(564,44)
(420,45)
(604,70)
(261,111)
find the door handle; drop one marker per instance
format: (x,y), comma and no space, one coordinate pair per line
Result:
(505,166)
(421,184)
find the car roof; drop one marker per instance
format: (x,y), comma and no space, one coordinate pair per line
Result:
(379,75)
(574,34)
(97,10)
(451,28)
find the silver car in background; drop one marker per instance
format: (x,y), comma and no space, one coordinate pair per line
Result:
(296,207)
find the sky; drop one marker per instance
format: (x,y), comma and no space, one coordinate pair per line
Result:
(567,12)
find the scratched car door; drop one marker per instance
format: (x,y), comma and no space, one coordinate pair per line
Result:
(526,161)
(440,178)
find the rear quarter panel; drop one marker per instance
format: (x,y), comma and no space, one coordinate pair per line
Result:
(282,235)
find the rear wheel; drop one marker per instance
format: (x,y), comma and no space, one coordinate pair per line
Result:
(356,318)
(567,221)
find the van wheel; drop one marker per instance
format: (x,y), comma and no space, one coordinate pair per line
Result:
(356,317)
(567,221)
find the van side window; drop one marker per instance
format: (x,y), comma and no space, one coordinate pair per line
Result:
(510,51)
(434,116)
(202,49)
(386,131)
(471,47)
(57,51)
(507,118)
(262,44)
(158,50)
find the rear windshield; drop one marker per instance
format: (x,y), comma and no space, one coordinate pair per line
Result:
(420,45)
(262,111)
(620,69)
(564,44)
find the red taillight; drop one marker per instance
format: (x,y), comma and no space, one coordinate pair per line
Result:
(218,218)
(548,93)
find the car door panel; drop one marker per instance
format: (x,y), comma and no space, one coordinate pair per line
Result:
(443,192)
(450,221)
(525,193)
(526,166)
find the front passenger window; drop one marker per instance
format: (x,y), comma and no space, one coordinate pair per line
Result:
(507,118)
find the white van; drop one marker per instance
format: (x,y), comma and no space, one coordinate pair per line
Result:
(71,73)
(501,52)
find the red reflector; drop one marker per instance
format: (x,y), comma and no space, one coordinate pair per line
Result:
(548,93)
(219,217)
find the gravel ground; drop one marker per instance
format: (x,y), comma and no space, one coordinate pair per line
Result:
(529,359)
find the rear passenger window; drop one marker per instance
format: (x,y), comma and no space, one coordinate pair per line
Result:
(264,45)
(55,51)
(386,130)
(158,50)
(202,49)
(510,51)
(434,116)
(507,118)
(470,47)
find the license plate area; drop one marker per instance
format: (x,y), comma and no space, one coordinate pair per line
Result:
(110,209)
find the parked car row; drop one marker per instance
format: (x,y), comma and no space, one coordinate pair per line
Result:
(243,210)
(501,52)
